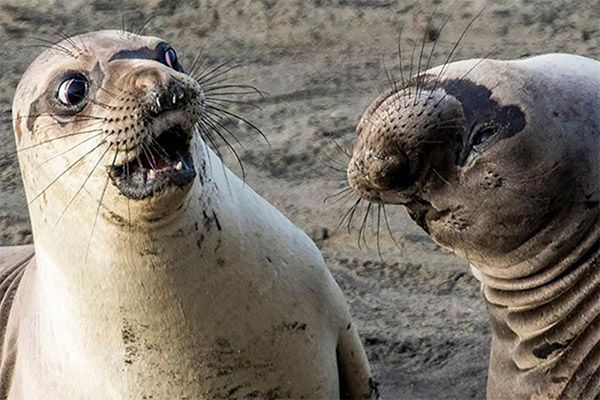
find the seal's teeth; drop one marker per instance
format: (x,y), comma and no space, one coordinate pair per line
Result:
(151,174)
(174,99)
(179,166)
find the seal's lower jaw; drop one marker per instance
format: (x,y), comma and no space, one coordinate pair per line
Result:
(165,163)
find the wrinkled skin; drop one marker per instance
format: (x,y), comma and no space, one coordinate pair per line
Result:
(499,161)
(155,272)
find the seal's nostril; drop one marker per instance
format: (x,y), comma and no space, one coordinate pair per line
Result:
(389,172)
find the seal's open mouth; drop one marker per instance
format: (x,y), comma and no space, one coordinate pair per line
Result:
(163,163)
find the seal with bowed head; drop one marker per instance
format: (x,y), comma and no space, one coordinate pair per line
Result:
(155,272)
(499,161)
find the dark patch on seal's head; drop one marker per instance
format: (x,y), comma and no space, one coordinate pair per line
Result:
(146,53)
(34,110)
(485,118)
(18,129)
(141,53)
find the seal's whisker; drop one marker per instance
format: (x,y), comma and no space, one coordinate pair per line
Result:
(351,216)
(64,37)
(156,145)
(348,212)
(129,136)
(205,74)
(208,80)
(336,169)
(346,191)
(122,17)
(362,237)
(218,101)
(387,224)
(94,123)
(139,30)
(4,156)
(390,78)
(412,59)
(55,46)
(221,81)
(88,176)
(113,95)
(208,136)
(67,151)
(215,121)
(149,155)
(101,198)
(435,42)
(377,232)
(251,90)
(427,27)
(337,163)
(217,110)
(195,62)
(75,118)
(400,66)
(341,149)
(227,143)
(453,50)
(37,196)
(100,104)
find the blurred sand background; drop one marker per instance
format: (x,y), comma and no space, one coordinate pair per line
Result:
(418,309)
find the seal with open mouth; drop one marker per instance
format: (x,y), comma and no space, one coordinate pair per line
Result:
(155,272)
(499,161)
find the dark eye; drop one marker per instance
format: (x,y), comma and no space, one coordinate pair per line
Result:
(482,136)
(171,58)
(73,91)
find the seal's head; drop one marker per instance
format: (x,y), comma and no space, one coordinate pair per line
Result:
(106,107)
(491,158)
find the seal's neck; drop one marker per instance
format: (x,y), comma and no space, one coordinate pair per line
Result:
(537,320)
(136,290)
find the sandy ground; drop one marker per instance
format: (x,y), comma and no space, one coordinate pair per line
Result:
(417,307)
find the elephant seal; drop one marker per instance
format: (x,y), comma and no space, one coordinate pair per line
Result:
(155,272)
(499,161)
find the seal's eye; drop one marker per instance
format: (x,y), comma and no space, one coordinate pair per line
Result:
(171,58)
(482,136)
(73,90)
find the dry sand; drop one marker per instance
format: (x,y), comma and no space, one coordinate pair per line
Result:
(422,320)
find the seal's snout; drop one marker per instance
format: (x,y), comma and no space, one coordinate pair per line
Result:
(168,106)
(161,91)
(387,172)
(399,138)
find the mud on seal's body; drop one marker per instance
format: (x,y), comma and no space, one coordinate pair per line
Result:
(499,161)
(155,272)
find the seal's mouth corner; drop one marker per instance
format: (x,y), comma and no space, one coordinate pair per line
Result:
(163,162)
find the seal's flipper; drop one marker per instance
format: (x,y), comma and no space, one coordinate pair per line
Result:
(13,262)
(355,377)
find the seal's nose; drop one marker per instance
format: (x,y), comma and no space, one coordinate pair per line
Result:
(387,172)
(163,91)
(147,79)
